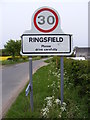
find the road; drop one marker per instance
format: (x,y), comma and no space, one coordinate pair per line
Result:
(14,78)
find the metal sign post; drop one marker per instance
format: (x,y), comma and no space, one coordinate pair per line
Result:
(62,82)
(31,83)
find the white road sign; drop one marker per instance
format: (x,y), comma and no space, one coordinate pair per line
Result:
(27,89)
(46,36)
(46,44)
(45,20)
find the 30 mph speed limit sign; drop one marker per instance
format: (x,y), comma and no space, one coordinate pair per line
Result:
(46,36)
(45,20)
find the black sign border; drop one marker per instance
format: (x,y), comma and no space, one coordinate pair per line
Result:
(44,53)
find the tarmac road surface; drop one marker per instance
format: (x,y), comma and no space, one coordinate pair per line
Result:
(14,78)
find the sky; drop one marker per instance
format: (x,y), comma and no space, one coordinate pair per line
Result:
(15,18)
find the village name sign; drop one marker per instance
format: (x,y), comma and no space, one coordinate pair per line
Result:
(46,36)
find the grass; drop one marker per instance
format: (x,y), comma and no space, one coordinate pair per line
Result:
(46,83)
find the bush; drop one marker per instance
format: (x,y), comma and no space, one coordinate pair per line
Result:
(76,83)
(78,73)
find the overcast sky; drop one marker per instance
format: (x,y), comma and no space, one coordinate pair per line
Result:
(15,18)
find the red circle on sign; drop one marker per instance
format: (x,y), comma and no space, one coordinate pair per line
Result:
(51,29)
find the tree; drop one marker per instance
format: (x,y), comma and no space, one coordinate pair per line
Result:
(13,47)
(18,46)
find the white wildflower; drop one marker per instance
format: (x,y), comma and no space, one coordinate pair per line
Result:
(57,101)
(58,83)
(60,115)
(64,104)
(58,76)
(48,98)
(55,74)
(53,84)
(63,108)
(49,103)
(45,111)
(52,96)
(49,70)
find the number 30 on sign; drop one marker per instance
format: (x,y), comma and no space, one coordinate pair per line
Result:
(45,20)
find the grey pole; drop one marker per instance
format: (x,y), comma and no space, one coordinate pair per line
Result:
(62,80)
(31,83)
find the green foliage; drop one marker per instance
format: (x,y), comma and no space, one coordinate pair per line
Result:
(3,52)
(18,47)
(76,86)
(46,83)
(13,47)
(78,74)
